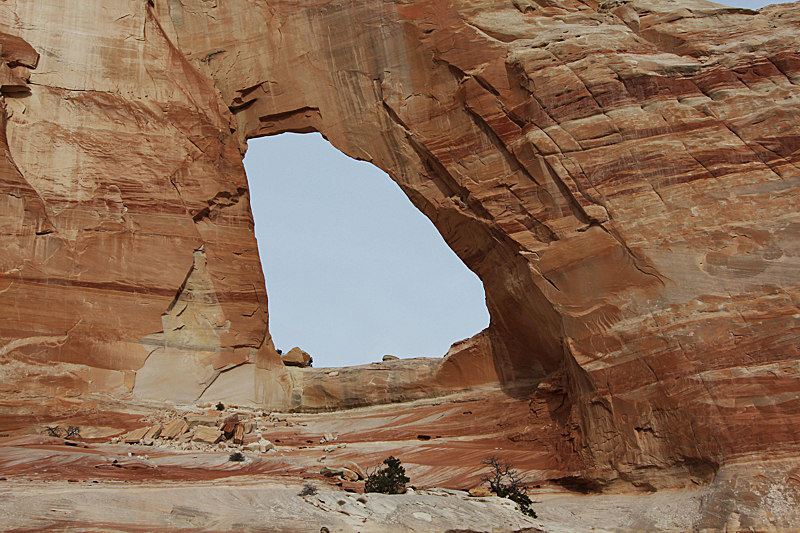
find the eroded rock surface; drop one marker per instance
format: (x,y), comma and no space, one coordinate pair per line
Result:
(195,486)
(621,176)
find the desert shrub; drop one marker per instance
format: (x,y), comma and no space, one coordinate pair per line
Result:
(507,482)
(236,457)
(308,490)
(220,406)
(391,479)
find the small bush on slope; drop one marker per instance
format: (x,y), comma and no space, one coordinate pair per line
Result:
(391,479)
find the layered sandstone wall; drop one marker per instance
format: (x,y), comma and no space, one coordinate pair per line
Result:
(621,176)
(135,266)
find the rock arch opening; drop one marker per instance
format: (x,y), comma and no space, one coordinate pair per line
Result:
(354,271)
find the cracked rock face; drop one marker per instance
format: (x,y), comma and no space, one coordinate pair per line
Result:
(622,177)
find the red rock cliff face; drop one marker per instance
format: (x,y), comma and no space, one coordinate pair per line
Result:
(134,267)
(623,178)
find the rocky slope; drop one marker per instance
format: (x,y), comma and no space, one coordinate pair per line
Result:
(163,485)
(621,176)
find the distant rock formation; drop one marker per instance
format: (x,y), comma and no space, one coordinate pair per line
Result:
(622,176)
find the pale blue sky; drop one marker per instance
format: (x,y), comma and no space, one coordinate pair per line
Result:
(353,270)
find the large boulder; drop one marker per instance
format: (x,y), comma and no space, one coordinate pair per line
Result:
(261,446)
(297,357)
(202,420)
(175,428)
(133,437)
(352,465)
(207,434)
(344,473)
(153,432)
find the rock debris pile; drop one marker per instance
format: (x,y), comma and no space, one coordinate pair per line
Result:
(238,431)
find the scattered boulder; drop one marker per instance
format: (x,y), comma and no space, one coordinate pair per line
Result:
(229,429)
(297,357)
(153,432)
(262,446)
(344,473)
(234,418)
(238,434)
(349,475)
(174,429)
(328,471)
(135,436)
(207,434)
(201,420)
(355,468)
(388,357)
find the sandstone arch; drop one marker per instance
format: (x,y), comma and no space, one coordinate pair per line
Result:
(612,183)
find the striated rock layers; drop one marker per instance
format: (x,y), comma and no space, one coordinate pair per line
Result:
(622,176)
